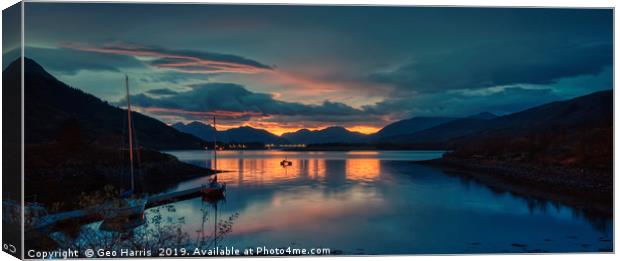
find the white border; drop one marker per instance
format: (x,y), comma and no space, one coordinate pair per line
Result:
(510,3)
(495,3)
(23,54)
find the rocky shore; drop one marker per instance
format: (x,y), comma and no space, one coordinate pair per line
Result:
(56,175)
(589,190)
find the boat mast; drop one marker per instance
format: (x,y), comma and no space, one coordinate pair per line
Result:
(215,150)
(130,131)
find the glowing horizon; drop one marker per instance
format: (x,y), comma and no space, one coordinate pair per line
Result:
(269,67)
(279,131)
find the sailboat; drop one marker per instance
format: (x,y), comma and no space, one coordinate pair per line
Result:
(214,191)
(286,162)
(128,209)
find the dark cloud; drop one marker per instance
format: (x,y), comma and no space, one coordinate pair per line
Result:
(463,103)
(173,77)
(11,35)
(227,99)
(237,104)
(69,61)
(435,61)
(186,61)
(162,92)
(499,63)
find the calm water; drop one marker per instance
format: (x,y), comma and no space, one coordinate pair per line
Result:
(380,203)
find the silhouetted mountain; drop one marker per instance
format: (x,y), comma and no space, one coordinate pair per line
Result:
(483,116)
(241,134)
(595,109)
(564,147)
(563,117)
(577,133)
(56,111)
(442,132)
(410,126)
(247,134)
(198,129)
(327,135)
(76,143)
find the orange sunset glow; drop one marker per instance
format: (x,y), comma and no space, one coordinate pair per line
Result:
(279,130)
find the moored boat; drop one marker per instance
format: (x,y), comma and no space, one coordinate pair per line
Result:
(214,191)
(286,162)
(127,205)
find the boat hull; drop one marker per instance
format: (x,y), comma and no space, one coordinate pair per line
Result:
(214,194)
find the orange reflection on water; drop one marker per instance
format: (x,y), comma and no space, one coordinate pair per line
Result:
(363,169)
(316,168)
(267,170)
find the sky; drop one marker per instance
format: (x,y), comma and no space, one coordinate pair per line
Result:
(283,68)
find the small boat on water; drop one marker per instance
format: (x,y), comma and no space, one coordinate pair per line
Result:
(128,206)
(214,191)
(286,162)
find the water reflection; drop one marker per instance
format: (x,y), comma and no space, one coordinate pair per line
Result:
(363,170)
(381,203)
(164,227)
(254,169)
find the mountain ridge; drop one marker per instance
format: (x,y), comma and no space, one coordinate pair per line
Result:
(242,134)
(410,125)
(53,107)
(333,134)
(592,108)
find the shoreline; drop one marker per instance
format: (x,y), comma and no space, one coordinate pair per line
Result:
(60,179)
(563,186)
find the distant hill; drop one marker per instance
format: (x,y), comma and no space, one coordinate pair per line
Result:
(575,133)
(410,126)
(593,110)
(56,111)
(399,129)
(75,143)
(198,129)
(483,116)
(327,135)
(248,134)
(563,150)
(441,133)
(243,134)
(432,129)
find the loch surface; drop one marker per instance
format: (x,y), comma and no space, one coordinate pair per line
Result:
(379,202)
